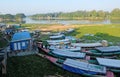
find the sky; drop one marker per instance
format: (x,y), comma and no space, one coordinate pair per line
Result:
(30,7)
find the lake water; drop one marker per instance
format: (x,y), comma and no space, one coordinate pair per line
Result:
(67,22)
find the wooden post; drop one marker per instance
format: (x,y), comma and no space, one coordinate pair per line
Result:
(4,63)
(30,45)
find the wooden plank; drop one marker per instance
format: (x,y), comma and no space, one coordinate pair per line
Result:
(4,66)
(4,63)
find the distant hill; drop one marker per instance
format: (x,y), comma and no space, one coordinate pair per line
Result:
(90,15)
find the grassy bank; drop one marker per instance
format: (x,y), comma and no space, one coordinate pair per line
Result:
(34,66)
(111,29)
(100,32)
(110,32)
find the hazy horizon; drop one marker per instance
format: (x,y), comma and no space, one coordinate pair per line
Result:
(30,7)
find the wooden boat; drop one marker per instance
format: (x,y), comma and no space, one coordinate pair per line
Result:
(112,64)
(87,45)
(56,42)
(104,51)
(79,67)
(56,37)
(70,30)
(64,54)
(68,54)
(65,48)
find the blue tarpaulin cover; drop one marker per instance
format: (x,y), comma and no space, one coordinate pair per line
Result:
(21,36)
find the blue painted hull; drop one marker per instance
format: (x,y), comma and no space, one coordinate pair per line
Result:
(78,71)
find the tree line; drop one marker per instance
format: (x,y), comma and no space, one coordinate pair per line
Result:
(10,17)
(93,14)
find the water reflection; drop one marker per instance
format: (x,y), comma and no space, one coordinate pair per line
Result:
(31,21)
(65,22)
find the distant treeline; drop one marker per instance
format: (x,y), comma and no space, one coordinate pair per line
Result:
(91,15)
(10,17)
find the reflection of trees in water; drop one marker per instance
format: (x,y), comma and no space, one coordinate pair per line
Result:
(115,21)
(11,20)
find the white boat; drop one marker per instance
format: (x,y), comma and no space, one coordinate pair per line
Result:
(70,30)
(61,36)
(86,44)
(56,42)
(113,63)
(65,48)
(68,54)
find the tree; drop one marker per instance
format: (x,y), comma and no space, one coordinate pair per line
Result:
(115,12)
(20,16)
(8,16)
(93,13)
(101,13)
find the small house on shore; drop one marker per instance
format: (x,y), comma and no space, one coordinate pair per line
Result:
(21,41)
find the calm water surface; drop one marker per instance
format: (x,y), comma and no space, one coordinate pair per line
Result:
(67,22)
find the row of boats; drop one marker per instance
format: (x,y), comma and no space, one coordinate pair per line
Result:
(96,62)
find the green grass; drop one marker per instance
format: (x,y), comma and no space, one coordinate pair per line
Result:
(34,66)
(111,33)
(112,29)
(3,42)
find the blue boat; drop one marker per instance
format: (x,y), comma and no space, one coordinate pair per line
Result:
(79,67)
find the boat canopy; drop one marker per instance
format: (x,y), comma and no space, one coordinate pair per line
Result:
(57,36)
(109,49)
(85,66)
(69,54)
(64,48)
(55,42)
(109,62)
(87,44)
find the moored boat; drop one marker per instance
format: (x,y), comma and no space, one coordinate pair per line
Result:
(64,54)
(87,45)
(79,67)
(65,48)
(112,64)
(104,51)
(56,42)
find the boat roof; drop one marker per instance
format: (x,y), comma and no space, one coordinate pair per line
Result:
(58,41)
(63,48)
(87,44)
(69,54)
(109,49)
(56,36)
(109,62)
(85,66)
